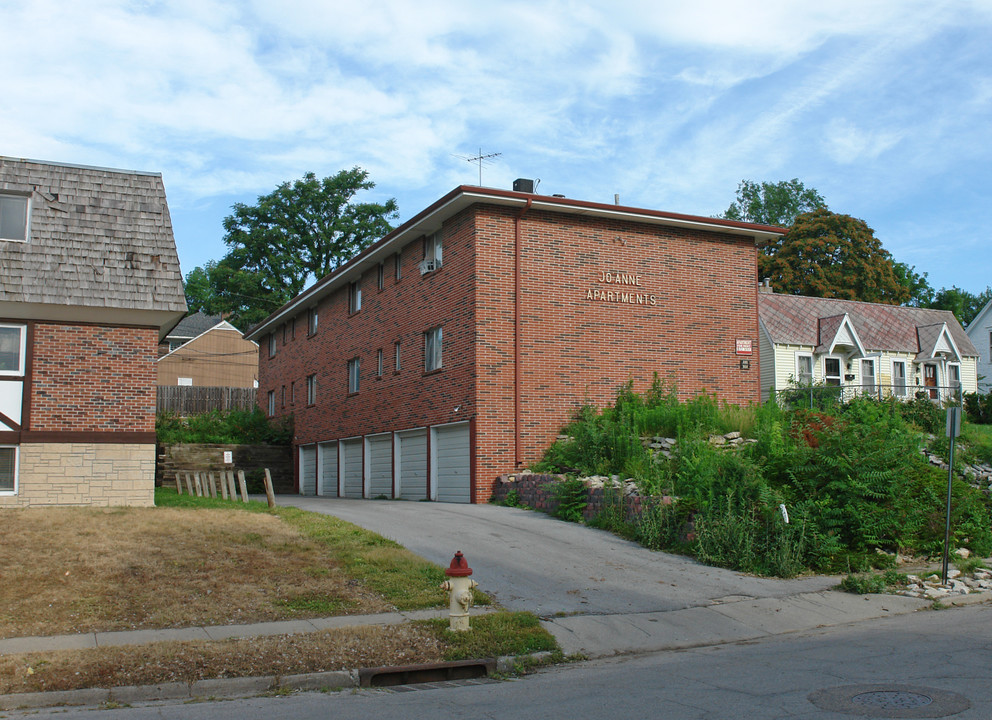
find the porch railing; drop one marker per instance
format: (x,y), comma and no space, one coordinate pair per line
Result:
(821,395)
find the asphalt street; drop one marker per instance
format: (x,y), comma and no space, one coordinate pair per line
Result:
(939,663)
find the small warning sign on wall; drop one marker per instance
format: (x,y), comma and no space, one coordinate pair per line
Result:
(744,347)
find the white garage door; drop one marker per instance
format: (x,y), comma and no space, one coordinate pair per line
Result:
(452,468)
(352,467)
(380,465)
(327,456)
(412,465)
(308,470)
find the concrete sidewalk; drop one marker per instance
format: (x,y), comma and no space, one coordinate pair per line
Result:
(599,635)
(82,641)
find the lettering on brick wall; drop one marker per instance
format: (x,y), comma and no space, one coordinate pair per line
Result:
(633,296)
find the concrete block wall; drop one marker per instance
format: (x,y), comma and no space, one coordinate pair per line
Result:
(101,474)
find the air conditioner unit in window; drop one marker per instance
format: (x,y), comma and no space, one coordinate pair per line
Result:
(427,266)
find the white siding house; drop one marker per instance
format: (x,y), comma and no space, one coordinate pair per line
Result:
(868,348)
(980,333)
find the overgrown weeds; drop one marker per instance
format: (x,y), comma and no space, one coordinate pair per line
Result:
(227,427)
(849,477)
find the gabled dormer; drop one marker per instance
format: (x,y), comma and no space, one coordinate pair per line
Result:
(936,343)
(837,336)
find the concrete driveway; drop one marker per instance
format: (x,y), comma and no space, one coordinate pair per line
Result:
(530,561)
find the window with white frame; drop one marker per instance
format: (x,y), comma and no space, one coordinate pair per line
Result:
(14,217)
(804,369)
(272,402)
(396,355)
(381,276)
(8,468)
(184,382)
(312,321)
(355,296)
(831,371)
(13,341)
(272,344)
(311,389)
(378,363)
(354,374)
(398,265)
(868,376)
(954,376)
(432,349)
(899,378)
(432,253)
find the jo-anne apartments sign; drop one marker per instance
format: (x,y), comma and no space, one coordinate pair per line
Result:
(623,288)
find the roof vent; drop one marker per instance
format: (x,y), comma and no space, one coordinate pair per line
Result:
(523,185)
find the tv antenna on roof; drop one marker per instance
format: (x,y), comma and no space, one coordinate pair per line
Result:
(481,160)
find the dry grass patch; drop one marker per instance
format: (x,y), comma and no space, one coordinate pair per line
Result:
(65,570)
(342,649)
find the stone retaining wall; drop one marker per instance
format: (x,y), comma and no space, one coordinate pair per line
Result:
(207,457)
(535,491)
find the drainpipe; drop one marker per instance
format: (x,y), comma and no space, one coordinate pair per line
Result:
(517,331)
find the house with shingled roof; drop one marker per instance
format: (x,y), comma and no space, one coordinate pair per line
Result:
(860,347)
(90,284)
(207,351)
(979,331)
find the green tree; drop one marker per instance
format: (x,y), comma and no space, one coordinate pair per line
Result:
(298,233)
(965,305)
(825,254)
(919,288)
(200,293)
(773,203)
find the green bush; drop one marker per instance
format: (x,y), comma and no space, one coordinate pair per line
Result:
(978,408)
(572,497)
(247,427)
(851,476)
(924,413)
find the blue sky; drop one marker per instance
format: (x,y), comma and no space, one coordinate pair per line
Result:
(885,107)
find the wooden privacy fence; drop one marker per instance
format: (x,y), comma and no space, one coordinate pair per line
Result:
(191,400)
(220,484)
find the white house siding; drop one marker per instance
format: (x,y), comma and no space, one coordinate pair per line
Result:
(766,353)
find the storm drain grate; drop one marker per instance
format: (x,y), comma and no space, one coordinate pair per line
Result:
(431,673)
(890,701)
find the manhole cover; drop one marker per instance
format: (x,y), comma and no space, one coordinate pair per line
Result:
(890,701)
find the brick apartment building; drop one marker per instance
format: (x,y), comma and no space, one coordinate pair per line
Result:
(456,347)
(90,283)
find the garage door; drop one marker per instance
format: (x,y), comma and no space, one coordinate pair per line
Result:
(352,466)
(452,463)
(308,470)
(327,457)
(380,465)
(412,465)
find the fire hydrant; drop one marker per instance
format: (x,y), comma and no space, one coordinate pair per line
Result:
(459,587)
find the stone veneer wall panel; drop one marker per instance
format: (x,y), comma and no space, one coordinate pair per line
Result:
(100,474)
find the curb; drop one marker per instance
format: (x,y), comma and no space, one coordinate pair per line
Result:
(228,688)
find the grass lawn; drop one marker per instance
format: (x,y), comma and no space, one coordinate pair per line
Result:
(195,561)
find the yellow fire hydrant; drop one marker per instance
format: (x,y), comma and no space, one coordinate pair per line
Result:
(459,587)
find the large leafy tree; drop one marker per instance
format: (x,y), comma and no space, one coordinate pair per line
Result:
(826,254)
(965,305)
(299,232)
(773,203)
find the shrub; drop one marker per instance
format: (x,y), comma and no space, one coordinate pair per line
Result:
(979,408)
(230,427)
(924,413)
(571,496)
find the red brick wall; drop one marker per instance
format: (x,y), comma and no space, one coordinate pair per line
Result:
(402,311)
(88,378)
(575,350)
